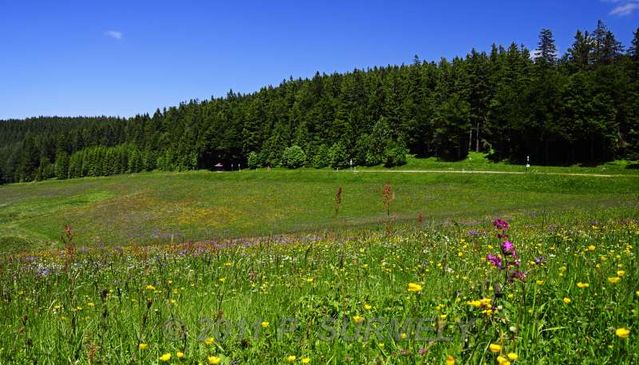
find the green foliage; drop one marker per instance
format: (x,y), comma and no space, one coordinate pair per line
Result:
(395,155)
(253,160)
(547,51)
(378,142)
(321,158)
(293,157)
(135,161)
(452,124)
(102,161)
(337,156)
(45,170)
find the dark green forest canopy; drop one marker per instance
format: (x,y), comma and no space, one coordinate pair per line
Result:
(582,107)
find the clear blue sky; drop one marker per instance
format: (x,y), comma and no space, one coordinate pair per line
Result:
(126,57)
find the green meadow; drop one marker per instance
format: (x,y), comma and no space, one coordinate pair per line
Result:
(165,207)
(276,267)
(565,293)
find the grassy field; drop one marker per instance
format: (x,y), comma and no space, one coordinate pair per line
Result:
(479,161)
(565,293)
(427,281)
(159,207)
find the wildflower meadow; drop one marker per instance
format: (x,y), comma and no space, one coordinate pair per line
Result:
(334,182)
(497,292)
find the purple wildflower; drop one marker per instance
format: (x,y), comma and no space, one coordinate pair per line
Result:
(508,248)
(539,260)
(473,233)
(500,224)
(494,260)
(43,271)
(517,275)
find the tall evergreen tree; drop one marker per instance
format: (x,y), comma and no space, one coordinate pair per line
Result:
(605,45)
(62,165)
(633,51)
(547,50)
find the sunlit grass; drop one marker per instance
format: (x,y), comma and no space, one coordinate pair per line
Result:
(152,208)
(414,295)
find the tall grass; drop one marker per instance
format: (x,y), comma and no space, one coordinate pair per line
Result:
(423,294)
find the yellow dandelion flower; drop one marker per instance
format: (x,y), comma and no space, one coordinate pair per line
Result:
(306,360)
(622,332)
(450,360)
(143,346)
(291,358)
(502,360)
(179,354)
(621,273)
(581,285)
(264,324)
(166,357)
(567,300)
(486,302)
(414,288)
(513,356)
(539,282)
(494,348)
(368,307)
(150,287)
(209,341)
(614,280)
(475,303)
(214,360)
(358,319)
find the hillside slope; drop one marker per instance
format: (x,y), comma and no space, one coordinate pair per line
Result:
(163,207)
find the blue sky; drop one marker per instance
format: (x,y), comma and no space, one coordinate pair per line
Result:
(126,57)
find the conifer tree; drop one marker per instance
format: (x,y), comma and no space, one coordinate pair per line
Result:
(547,51)
(62,165)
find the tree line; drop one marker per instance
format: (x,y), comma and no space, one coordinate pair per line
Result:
(509,102)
